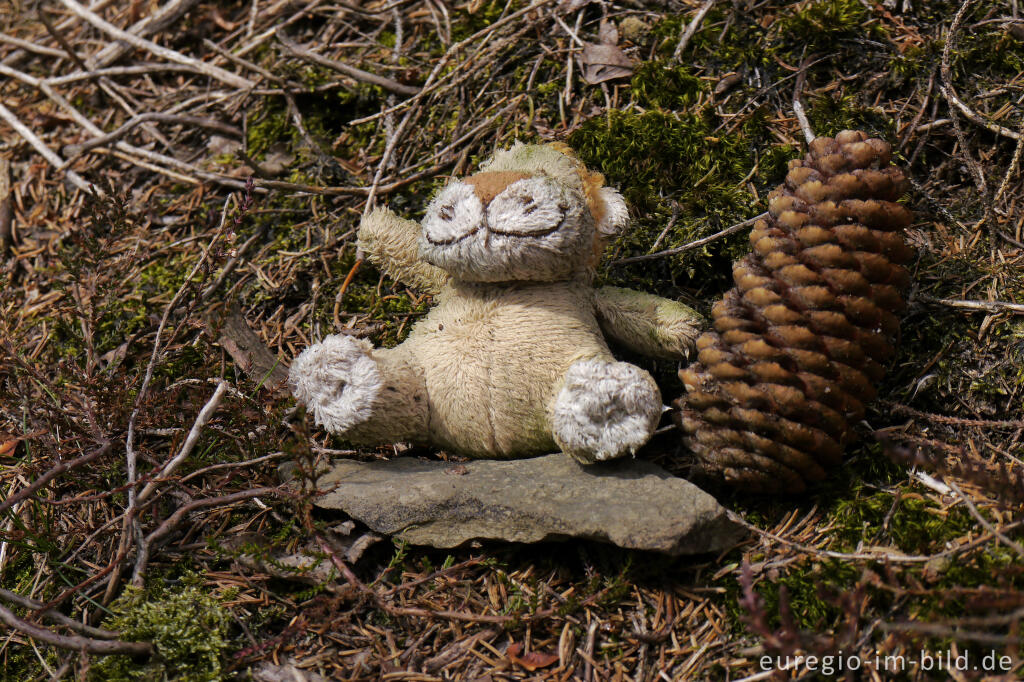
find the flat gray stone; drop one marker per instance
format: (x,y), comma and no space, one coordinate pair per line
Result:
(629,503)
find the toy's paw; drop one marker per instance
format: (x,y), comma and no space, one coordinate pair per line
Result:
(338,381)
(605,410)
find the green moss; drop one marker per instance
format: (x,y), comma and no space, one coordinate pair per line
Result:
(325,116)
(652,153)
(164,276)
(915,525)
(833,112)
(722,44)
(683,164)
(656,84)
(465,23)
(188,629)
(267,125)
(807,27)
(915,61)
(989,51)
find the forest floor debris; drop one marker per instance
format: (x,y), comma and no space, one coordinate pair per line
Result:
(169,168)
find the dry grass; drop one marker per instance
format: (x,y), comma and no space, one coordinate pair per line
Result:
(232,158)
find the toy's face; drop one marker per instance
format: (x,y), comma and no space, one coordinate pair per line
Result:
(508,225)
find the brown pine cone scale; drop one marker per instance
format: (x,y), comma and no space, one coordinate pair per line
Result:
(797,346)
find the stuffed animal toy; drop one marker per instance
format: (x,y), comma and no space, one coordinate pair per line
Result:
(512,361)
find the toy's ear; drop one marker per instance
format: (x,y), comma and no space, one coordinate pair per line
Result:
(615,214)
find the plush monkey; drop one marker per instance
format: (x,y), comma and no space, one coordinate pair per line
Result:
(512,361)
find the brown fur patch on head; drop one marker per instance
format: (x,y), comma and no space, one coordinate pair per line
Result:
(592,182)
(557,161)
(490,184)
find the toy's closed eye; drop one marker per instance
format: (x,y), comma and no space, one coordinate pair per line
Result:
(531,207)
(454,214)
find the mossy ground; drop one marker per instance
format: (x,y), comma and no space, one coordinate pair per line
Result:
(694,145)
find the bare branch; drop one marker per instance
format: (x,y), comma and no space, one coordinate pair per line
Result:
(44,151)
(984,306)
(210,70)
(57,616)
(190,442)
(74,150)
(1015,546)
(798,106)
(691,28)
(51,474)
(174,519)
(692,245)
(351,71)
(154,23)
(73,642)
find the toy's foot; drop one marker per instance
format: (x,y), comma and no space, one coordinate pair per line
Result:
(605,410)
(338,381)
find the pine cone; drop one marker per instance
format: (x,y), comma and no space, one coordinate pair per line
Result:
(799,344)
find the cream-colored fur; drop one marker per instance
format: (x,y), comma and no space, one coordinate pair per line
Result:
(512,361)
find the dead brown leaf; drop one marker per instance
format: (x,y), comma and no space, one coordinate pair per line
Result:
(602,63)
(607,33)
(532,661)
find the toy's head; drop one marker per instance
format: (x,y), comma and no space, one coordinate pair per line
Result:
(533,212)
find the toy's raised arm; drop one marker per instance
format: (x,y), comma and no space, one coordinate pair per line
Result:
(390,243)
(647,324)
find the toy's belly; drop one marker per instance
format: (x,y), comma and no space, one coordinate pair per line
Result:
(492,367)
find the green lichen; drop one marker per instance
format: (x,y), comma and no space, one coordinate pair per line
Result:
(188,629)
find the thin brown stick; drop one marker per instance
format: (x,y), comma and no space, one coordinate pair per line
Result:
(351,191)
(351,71)
(973,510)
(171,522)
(129,70)
(157,21)
(342,289)
(74,150)
(435,80)
(59,37)
(692,245)
(949,92)
(18,55)
(74,642)
(947,632)
(415,612)
(953,421)
(190,441)
(57,616)
(131,457)
(691,29)
(6,208)
(891,557)
(130,152)
(210,70)
(44,151)
(144,545)
(30,47)
(984,306)
(51,474)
